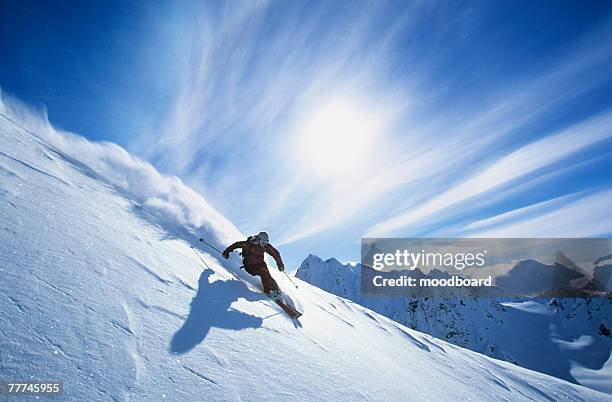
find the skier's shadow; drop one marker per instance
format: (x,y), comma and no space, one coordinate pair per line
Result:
(211,308)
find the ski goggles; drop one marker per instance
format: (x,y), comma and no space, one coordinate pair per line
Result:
(260,241)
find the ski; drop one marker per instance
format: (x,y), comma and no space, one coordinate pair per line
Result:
(291,312)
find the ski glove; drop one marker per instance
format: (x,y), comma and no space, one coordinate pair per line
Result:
(226,255)
(281,268)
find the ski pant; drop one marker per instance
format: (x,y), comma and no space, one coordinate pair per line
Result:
(267,281)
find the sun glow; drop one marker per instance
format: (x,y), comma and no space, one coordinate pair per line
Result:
(336,140)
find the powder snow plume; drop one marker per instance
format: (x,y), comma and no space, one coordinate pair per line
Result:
(167,200)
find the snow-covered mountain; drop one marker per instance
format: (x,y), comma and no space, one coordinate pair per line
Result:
(531,277)
(100,288)
(566,338)
(602,275)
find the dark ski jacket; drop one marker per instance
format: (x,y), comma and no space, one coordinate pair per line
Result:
(253,254)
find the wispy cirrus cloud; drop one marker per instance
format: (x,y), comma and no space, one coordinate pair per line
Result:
(254,73)
(249,83)
(525,160)
(422,163)
(519,214)
(587,216)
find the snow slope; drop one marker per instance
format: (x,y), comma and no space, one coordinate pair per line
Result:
(99,288)
(562,337)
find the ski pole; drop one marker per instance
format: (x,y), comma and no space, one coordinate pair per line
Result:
(211,246)
(288,277)
(200,257)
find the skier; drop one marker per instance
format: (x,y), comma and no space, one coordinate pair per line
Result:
(253,249)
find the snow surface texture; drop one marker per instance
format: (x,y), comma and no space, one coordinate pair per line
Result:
(562,337)
(101,289)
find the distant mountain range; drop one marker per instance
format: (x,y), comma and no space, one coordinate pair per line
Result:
(569,338)
(531,277)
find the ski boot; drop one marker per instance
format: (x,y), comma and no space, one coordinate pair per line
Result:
(275,295)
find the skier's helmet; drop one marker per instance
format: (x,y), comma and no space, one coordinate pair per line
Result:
(263,238)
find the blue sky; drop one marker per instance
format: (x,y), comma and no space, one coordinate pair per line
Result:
(322,122)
